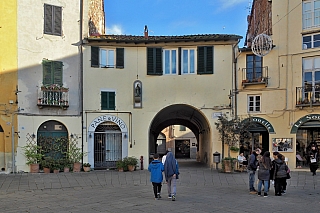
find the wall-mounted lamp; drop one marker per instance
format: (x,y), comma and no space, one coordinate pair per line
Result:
(71,135)
(90,136)
(33,135)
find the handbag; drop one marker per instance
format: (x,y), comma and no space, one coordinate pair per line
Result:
(288,176)
(313,160)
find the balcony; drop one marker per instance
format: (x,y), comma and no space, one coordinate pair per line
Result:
(254,76)
(53,96)
(308,96)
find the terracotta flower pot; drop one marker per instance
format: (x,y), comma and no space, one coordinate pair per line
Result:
(56,171)
(86,168)
(131,168)
(66,169)
(46,170)
(76,167)
(34,168)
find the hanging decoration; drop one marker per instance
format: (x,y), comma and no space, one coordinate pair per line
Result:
(261,45)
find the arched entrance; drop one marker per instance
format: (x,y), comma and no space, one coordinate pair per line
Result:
(107,141)
(52,136)
(307,130)
(188,116)
(259,137)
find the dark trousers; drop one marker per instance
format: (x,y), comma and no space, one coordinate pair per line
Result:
(278,185)
(156,188)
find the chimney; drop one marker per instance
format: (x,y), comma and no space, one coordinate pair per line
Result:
(146,31)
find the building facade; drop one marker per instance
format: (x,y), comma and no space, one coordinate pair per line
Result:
(49,63)
(8,81)
(278,85)
(136,86)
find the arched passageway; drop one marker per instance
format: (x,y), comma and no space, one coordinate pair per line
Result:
(188,116)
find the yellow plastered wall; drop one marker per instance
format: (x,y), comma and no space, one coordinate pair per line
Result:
(8,76)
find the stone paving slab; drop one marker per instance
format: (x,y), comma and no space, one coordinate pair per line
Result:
(199,189)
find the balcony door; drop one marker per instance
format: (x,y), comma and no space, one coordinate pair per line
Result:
(254,67)
(311,78)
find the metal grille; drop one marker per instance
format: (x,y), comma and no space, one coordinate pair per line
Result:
(107,149)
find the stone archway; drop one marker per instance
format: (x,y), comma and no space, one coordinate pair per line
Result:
(103,119)
(188,116)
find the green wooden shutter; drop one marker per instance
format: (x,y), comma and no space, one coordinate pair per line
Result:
(48,16)
(154,61)
(120,58)
(57,72)
(205,60)
(57,20)
(47,72)
(108,101)
(95,56)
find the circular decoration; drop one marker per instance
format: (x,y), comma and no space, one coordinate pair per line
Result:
(261,45)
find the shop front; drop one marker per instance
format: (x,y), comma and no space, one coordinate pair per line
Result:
(307,130)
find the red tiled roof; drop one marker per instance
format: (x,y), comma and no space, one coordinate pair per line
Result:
(142,39)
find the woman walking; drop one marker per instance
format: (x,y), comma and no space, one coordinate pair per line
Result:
(264,173)
(280,174)
(171,172)
(313,156)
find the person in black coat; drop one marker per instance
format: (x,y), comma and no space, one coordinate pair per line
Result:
(313,158)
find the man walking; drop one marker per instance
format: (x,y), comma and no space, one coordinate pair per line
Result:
(252,167)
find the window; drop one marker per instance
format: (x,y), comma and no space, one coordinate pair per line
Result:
(254,103)
(188,61)
(107,58)
(180,61)
(52,72)
(108,101)
(182,128)
(253,67)
(52,20)
(311,77)
(205,60)
(170,62)
(311,14)
(311,41)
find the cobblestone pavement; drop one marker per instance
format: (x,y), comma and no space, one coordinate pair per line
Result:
(200,189)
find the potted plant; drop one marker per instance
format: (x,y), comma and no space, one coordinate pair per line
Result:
(55,166)
(228,164)
(46,165)
(120,165)
(65,162)
(231,130)
(131,162)
(234,149)
(33,154)
(86,167)
(75,154)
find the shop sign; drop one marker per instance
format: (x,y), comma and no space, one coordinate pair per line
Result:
(265,123)
(302,120)
(104,118)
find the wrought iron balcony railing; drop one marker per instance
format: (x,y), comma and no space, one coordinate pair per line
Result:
(53,97)
(256,75)
(308,96)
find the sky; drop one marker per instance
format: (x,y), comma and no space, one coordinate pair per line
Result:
(177,17)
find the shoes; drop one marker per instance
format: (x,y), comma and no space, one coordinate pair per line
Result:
(158,195)
(283,192)
(259,193)
(169,196)
(156,198)
(278,194)
(173,197)
(253,192)
(265,195)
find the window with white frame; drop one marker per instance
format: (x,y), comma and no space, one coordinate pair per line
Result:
(188,61)
(254,103)
(311,41)
(311,14)
(107,58)
(311,77)
(170,61)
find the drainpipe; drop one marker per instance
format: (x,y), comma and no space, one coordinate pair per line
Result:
(81,74)
(235,90)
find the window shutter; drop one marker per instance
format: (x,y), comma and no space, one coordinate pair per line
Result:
(57,72)
(46,66)
(108,101)
(205,60)
(48,19)
(112,101)
(104,100)
(95,56)
(154,61)
(120,58)
(57,20)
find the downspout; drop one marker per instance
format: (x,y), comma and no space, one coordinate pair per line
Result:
(81,75)
(235,90)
